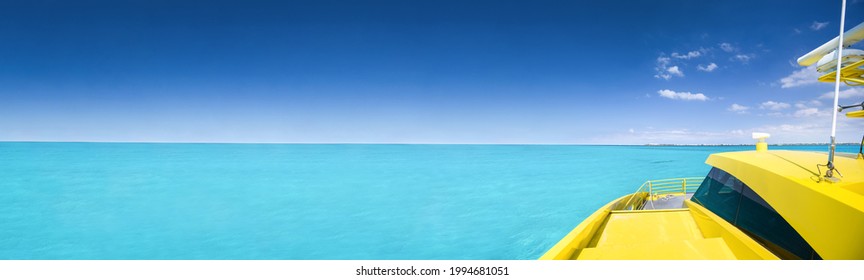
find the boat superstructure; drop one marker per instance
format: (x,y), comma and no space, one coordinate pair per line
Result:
(752,205)
(758,204)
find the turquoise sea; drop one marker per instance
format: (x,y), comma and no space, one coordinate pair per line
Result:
(291,201)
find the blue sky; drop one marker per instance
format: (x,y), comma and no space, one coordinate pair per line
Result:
(547,72)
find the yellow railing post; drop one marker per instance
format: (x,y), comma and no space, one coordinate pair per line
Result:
(684,185)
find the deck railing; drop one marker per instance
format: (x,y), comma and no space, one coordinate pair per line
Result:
(672,186)
(651,189)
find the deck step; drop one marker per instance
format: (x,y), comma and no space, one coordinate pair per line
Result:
(647,227)
(700,249)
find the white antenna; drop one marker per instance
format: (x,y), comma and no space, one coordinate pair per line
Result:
(854,35)
(830,172)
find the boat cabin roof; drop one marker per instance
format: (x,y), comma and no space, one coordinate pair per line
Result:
(828,215)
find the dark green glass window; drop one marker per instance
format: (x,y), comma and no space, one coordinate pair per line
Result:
(760,219)
(739,205)
(720,193)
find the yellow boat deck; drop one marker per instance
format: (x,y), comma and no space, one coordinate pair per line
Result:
(667,234)
(650,226)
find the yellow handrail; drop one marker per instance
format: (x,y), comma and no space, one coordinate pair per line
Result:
(682,185)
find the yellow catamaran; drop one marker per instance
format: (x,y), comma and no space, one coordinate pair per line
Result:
(752,205)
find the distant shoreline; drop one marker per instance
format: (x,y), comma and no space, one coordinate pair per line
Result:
(722,145)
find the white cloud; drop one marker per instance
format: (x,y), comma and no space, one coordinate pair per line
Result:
(844,94)
(663,76)
(738,108)
(818,25)
(678,136)
(808,112)
(689,55)
(803,109)
(711,67)
(774,106)
(675,71)
(667,73)
(736,55)
(797,130)
(662,70)
(811,130)
(743,58)
(803,130)
(682,95)
(791,128)
(666,70)
(797,31)
(805,76)
(811,126)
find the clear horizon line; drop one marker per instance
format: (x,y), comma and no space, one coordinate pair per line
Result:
(417,143)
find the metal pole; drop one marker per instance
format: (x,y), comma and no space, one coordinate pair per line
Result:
(830,172)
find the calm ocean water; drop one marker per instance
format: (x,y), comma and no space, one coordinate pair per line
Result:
(249,201)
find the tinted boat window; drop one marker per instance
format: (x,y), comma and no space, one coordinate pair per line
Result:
(760,219)
(720,193)
(739,205)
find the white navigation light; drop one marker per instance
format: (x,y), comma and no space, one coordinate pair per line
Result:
(761,145)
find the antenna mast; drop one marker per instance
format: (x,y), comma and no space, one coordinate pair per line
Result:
(830,172)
